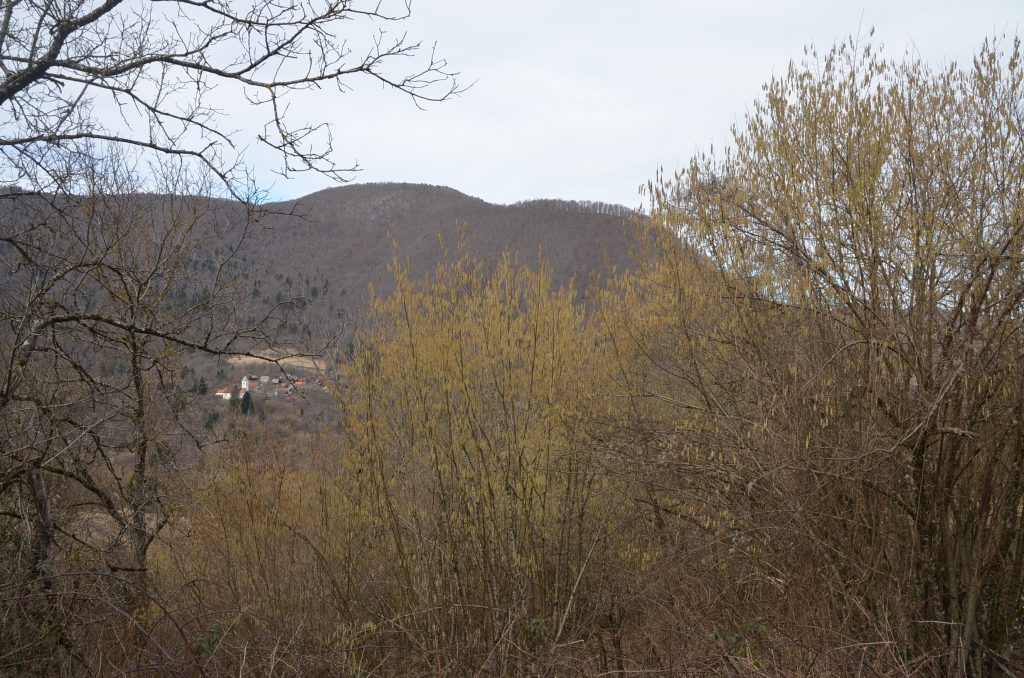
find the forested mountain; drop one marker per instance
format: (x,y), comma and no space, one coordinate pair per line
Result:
(333,244)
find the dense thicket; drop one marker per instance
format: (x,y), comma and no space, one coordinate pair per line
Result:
(787,443)
(863,368)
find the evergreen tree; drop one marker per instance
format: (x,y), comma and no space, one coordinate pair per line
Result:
(247,406)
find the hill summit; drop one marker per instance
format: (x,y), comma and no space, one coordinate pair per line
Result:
(337,242)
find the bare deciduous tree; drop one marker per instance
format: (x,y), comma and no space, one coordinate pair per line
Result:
(115,267)
(152,75)
(850,342)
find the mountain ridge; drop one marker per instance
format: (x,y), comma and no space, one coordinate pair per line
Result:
(340,240)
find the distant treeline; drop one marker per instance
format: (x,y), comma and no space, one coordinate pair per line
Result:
(580,207)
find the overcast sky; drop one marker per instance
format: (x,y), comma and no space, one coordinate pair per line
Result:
(585,100)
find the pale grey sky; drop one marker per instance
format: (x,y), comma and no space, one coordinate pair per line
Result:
(585,100)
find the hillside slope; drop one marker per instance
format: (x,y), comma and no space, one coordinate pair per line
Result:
(335,243)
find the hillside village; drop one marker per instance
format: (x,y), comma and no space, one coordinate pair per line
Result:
(267,386)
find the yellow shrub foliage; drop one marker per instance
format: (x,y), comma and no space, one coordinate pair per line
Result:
(467,409)
(788,443)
